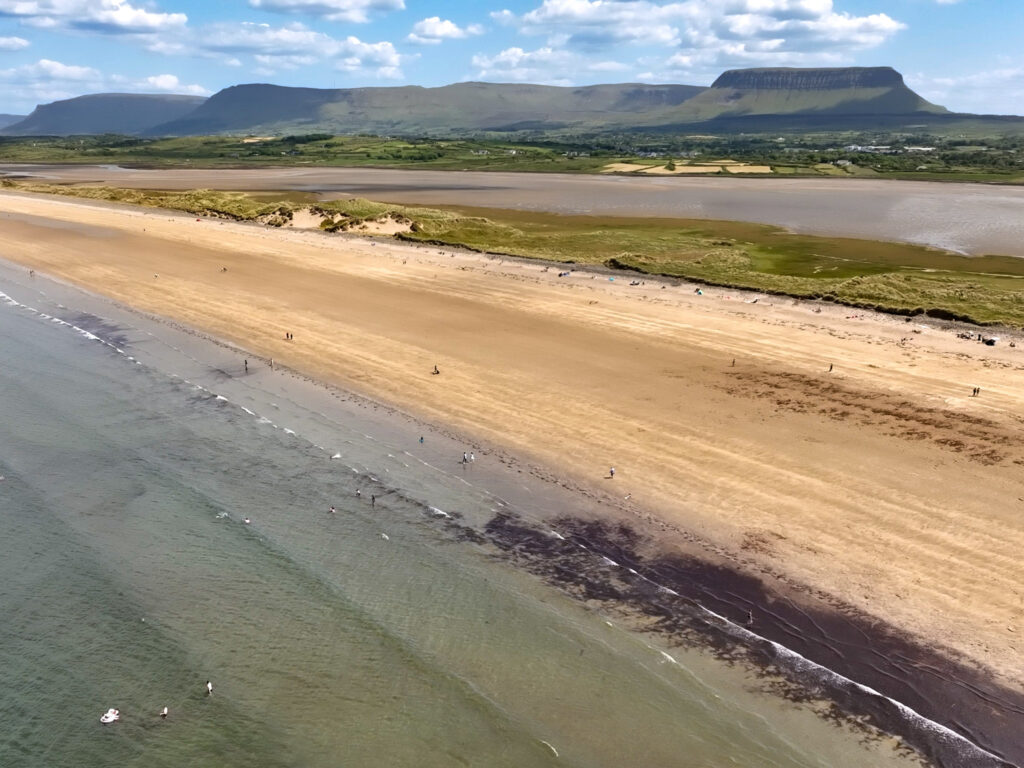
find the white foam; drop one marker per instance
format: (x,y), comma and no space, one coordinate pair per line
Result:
(438,512)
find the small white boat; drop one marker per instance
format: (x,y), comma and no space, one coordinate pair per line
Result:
(110,716)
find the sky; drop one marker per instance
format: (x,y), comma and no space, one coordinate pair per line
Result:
(967,55)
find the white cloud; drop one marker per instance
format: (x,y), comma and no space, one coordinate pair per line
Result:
(435,29)
(296,45)
(47,80)
(13,43)
(709,32)
(522,66)
(333,10)
(171,84)
(107,16)
(380,59)
(996,91)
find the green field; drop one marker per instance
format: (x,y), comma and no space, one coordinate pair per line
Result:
(892,277)
(998,159)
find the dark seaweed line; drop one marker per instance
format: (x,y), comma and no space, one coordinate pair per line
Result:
(576,563)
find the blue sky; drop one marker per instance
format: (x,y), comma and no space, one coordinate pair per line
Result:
(965,54)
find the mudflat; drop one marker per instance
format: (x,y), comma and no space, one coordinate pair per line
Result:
(966,218)
(827,451)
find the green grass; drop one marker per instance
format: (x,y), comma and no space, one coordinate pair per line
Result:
(324,150)
(894,277)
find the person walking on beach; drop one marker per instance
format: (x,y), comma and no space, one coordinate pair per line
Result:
(209,688)
(611,472)
(421,439)
(472,458)
(246,366)
(465,457)
(830,367)
(435,371)
(373,500)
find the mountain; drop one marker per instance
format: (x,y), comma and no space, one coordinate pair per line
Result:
(459,108)
(783,91)
(739,100)
(126,113)
(6,120)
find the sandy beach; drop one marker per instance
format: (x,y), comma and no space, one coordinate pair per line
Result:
(833,453)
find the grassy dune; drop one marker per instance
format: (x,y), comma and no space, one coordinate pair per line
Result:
(893,277)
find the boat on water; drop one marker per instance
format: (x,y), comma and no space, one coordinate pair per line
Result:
(110,716)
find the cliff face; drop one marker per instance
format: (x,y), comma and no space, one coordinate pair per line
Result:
(784,79)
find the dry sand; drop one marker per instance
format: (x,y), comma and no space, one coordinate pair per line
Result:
(883,484)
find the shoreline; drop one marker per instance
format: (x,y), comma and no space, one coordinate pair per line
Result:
(975,219)
(690,598)
(614,506)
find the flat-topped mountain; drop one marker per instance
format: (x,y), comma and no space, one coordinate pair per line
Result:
(806,79)
(127,113)
(783,91)
(458,108)
(739,100)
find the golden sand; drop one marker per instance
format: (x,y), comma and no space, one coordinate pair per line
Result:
(883,483)
(624,167)
(749,168)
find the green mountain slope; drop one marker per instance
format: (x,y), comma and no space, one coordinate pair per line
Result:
(459,108)
(815,99)
(126,113)
(845,91)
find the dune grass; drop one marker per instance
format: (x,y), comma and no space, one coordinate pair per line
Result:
(894,277)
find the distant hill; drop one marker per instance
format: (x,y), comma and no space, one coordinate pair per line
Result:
(459,108)
(783,91)
(739,100)
(125,113)
(6,120)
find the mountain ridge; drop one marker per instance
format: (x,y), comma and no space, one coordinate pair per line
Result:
(819,96)
(127,113)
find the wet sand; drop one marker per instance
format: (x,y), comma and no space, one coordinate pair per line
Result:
(967,218)
(881,491)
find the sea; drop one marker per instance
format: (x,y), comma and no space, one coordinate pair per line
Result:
(165,521)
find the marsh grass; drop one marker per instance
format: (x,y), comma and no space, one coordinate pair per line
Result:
(893,277)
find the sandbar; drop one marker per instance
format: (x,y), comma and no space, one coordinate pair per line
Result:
(975,219)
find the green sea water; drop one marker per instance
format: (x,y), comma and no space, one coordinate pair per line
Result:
(370,637)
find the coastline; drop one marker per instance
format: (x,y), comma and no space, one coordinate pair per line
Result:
(960,217)
(369,274)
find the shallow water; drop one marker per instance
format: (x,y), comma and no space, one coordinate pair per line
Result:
(974,219)
(129,578)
